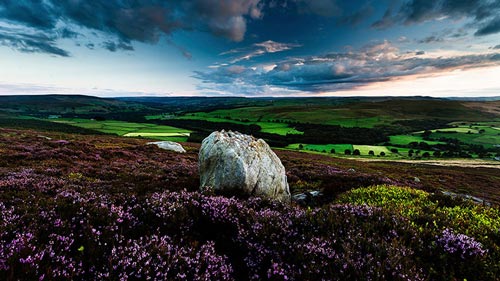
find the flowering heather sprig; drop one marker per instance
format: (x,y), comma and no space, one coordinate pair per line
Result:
(278,271)
(21,249)
(7,216)
(460,244)
(221,209)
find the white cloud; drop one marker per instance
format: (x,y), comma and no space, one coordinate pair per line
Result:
(259,49)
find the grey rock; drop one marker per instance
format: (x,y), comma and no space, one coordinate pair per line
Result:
(231,162)
(315,193)
(474,199)
(299,197)
(169,145)
(308,198)
(416,179)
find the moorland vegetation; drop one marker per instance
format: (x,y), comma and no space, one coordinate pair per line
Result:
(103,207)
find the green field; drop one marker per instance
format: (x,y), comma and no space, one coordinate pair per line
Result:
(277,128)
(130,129)
(339,148)
(406,139)
(365,149)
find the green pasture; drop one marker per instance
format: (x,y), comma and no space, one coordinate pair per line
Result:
(458,130)
(277,128)
(129,129)
(365,149)
(339,148)
(406,139)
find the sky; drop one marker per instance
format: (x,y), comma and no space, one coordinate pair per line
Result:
(250,48)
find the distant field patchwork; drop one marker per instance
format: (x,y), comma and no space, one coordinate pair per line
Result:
(303,114)
(482,134)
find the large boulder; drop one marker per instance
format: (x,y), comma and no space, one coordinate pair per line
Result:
(234,163)
(169,145)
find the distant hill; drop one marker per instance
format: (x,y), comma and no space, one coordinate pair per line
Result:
(497,98)
(60,104)
(135,108)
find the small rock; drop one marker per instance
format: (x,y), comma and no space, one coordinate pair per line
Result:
(169,145)
(315,193)
(351,170)
(416,179)
(299,197)
(307,198)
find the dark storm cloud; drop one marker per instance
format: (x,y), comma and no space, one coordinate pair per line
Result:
(148,20)
(115,46)
(447,34)
(140,20)
(483,13)
(35,14)
(431,39)
(490,27)
(335,71)
(68,33)
(30,43)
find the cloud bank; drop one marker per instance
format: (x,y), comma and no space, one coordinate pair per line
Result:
(338,71)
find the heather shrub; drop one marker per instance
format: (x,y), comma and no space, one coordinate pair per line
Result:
(184,235)
(460,236)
